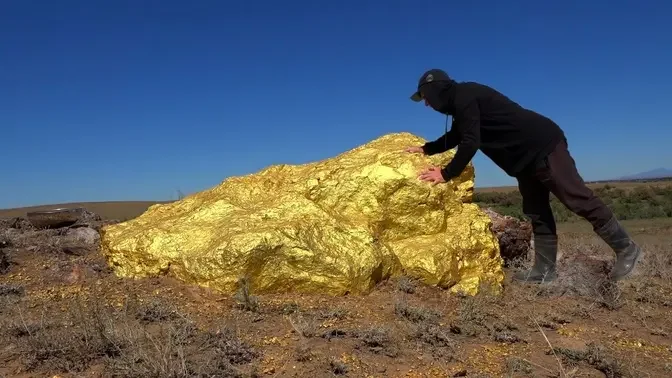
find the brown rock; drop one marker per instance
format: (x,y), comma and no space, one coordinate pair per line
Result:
(514,235)
(84,235)
(88,219)
(80,241)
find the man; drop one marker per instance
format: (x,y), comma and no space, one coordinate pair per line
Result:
(528,146)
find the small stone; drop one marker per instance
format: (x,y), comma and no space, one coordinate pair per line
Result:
(85,235)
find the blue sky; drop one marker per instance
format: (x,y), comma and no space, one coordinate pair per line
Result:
(133,100)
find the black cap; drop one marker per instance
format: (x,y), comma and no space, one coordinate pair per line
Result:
(430,76)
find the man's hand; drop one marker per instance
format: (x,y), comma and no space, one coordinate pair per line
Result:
(432,174)
(415,150)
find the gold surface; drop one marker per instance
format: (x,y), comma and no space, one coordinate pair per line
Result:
(335,226)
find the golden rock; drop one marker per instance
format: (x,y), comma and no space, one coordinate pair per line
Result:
(335,226)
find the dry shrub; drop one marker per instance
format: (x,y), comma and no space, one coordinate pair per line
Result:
(422,325)
(5,239)
(4,261)
(474,311)
(303,353)
(518,365)
(167,353)
(334,313)
(178,349)
(598,357)
(244,298)
(68,346)
(155,311)
(289,308)
(415,314)
(128,343)
(609,295)
(9,289)
(406,285)
(656,262)
(338,367)
(550,320)
(380,340)
(304,325)
(437,338)
(505,333)
(334,334)
(651,292)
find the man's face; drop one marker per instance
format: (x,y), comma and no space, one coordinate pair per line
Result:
(424,99)
(427,101)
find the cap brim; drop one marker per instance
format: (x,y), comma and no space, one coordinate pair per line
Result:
(417,97)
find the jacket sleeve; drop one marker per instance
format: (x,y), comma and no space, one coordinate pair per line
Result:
(469,130)
(446,142)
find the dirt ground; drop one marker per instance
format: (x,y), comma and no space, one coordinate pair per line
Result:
(63,313)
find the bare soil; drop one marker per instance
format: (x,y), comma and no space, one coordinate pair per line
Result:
(65,314)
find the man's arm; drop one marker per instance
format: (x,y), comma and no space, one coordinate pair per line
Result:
(469,128)
(444,143)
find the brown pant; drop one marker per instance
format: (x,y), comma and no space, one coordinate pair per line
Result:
(557,174)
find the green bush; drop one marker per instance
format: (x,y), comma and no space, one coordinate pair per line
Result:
(642,202)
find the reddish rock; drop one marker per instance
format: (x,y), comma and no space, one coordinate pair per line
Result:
(514,235)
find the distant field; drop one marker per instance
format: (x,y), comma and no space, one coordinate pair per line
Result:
(657,226)
(121,210)
(625,185)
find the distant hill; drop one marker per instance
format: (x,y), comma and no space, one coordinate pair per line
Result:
(653,174)
(108,210)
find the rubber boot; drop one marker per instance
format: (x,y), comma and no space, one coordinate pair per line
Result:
(627,251)
(545,253)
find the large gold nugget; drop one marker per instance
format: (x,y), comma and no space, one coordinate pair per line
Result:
(335,226)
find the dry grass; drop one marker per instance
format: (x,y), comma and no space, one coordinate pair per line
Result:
(596,356)
(246,300)
(126,342)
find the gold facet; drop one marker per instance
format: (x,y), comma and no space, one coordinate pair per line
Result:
(336,226)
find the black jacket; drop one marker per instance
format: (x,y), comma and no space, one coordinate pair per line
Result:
(511,136)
